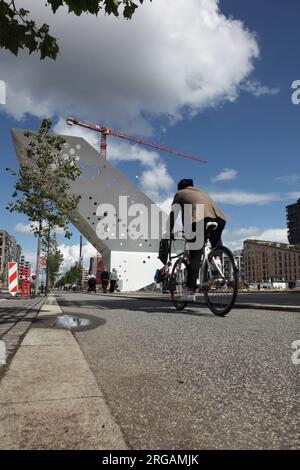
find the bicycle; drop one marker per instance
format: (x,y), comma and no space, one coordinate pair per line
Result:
(218,275)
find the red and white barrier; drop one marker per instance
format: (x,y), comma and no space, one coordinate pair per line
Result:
(13,277)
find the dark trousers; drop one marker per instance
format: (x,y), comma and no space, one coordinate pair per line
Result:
(215,238)
(112,286)
(165,284)
(104,284)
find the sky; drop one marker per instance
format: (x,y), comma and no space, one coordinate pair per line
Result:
(207,77)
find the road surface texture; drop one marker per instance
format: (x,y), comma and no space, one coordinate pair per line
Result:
(191,380)
(271,298)
(279,301)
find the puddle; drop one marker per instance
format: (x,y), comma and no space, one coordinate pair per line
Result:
(70,322)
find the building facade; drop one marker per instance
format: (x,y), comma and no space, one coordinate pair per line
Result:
(85,278)
(9,251)
(270,261)
(293,223)
(239,260)
(109,213)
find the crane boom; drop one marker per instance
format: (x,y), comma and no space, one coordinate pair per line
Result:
(106,131)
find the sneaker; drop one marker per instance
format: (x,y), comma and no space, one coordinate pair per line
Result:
(187,295)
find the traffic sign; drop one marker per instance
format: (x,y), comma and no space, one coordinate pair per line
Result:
(43,261)
(13,277)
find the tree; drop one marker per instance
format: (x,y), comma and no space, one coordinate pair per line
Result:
(72,276)
(19,31)
(42,188)
(61,282)
(54,260)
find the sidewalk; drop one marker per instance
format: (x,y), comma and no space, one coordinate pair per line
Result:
(49,397)
(16,316)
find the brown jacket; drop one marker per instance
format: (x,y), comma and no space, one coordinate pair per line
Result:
(191,195)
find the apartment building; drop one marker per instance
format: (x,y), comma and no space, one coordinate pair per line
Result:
(293,223)
(266,261)
(9,251)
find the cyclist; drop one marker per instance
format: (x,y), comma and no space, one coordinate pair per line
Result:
(187,194)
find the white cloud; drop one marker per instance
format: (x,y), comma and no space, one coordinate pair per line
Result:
(24,228)
(241,198)
(294,195)
(257,89)
(27,228)
(118,152)
(226,175)
(274,235)
(165,204)
(156,181)
(170,60)
(288,179)
(234,238)
(71,255)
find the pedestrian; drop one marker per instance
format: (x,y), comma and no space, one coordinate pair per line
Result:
(113,280)
(92,284)
(105,280)
(167,270)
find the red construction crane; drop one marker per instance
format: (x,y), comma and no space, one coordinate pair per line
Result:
(106,131)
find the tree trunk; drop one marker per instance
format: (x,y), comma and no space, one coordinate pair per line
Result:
(47,265)
(38,259)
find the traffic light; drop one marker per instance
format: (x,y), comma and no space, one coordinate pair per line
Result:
(21,266)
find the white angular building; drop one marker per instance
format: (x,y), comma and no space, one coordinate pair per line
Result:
(101,183)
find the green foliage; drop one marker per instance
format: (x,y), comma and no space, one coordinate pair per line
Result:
(54,262)
(18,31)
(54,257)
(61,282)
(43,183)
(70,277)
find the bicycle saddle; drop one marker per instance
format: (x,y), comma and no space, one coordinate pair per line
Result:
(210,226)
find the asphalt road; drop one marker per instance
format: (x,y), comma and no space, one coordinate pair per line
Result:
(270,298)
(191,380)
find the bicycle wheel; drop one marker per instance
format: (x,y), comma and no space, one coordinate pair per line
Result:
(220,281)
(178,283)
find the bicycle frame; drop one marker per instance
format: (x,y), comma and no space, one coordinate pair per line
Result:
(204,258)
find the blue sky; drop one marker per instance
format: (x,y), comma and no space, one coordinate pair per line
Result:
(256,137)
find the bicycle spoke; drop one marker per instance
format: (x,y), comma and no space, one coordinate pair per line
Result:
(221,281)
